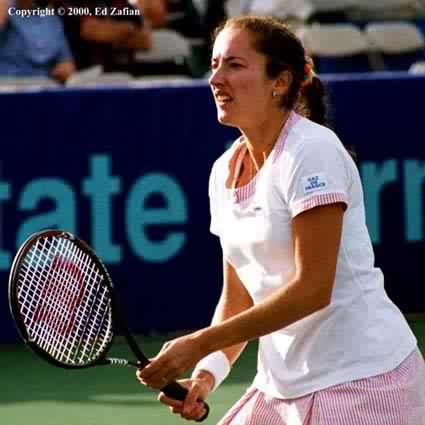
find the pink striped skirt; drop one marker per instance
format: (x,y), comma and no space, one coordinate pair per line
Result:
(393,398)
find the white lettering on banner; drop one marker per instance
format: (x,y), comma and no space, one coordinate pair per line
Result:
(103,191)
(377,176)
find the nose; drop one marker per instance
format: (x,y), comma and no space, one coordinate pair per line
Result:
(216,77)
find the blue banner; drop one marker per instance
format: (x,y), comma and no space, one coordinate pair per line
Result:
(127,170)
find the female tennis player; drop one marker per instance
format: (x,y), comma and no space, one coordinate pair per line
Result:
(287,204)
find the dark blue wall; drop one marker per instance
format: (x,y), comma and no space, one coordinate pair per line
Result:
(127,170)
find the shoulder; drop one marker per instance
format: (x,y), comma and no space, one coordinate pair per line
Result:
(222,161)
(308,137)
(307,131)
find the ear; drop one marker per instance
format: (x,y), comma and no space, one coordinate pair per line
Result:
(283,82)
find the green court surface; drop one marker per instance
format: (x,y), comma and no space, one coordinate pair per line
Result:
(35,393)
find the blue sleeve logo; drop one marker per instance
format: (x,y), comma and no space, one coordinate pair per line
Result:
(314,183)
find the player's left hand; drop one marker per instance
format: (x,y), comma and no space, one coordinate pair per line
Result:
(190,408)
(175,358)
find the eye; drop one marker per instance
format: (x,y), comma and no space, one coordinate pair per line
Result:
(235,65)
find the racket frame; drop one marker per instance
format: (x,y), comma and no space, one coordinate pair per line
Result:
(173,389)
(116,317)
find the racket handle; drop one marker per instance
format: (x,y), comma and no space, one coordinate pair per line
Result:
(178,392)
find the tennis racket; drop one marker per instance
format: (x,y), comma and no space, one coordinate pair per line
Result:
(64,305)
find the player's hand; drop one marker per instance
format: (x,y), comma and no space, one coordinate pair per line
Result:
(175,358)
(191,408)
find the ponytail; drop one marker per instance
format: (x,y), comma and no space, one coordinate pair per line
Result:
(313,104)
(313,101)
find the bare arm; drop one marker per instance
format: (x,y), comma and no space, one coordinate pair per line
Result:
(316,235)
(155,11)
(119,34)
(105,30)
(141,38)
(234,299)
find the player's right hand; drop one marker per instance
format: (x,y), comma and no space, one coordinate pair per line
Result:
(190,408)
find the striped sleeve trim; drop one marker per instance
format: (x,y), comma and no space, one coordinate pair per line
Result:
(318,200)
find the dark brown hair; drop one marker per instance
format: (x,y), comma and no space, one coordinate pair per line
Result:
(285,52)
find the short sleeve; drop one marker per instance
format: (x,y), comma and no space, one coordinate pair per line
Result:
(213,195)
(317,173)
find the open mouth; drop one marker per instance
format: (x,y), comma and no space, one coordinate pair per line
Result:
(223,100)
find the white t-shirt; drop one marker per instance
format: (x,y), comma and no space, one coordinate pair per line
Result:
(361,333)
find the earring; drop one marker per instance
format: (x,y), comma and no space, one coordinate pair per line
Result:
(274,93)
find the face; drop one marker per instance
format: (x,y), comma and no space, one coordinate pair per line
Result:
(241,88)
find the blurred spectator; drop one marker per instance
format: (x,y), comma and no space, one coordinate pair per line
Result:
(154,11)
(284,9)
(185,18)
(196,20)
(34,45)
(110,39)
(297,12)
(215,14)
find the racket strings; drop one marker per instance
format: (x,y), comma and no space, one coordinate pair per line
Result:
(48,308)
(63,302)
(58,319)
(61,314)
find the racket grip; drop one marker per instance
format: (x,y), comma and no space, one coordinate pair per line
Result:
(178,392)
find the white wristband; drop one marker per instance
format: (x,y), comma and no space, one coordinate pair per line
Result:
(217,364)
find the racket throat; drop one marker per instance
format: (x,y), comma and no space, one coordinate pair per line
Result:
(115,361)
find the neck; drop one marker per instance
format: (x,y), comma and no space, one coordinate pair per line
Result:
(261,139)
